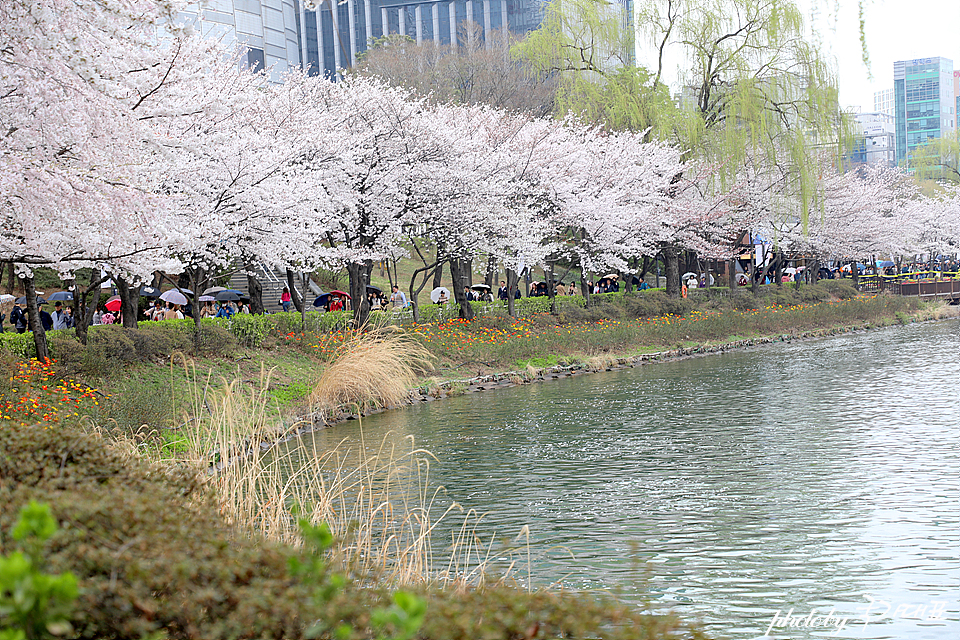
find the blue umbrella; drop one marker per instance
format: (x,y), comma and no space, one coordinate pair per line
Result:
(23,300)
(885,263)
(61,295)
(321,300)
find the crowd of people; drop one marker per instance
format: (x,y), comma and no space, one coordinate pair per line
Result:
(61,318)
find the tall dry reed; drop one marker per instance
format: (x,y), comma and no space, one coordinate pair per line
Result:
(372,369)
(379,502)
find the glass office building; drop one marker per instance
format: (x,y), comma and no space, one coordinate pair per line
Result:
(925,103)
(345,32)
(267,29)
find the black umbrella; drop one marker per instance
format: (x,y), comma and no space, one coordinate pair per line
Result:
(370,287)
(149,292)
(66,296)
(23,300)
(481,287)
(224,296)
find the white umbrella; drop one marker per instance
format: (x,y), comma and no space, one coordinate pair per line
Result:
(435,294)
(212,291)
(688,275)
(6,298)
(790,270)
(173,297)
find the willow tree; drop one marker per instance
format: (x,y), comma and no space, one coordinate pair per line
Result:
(938,159)
(752,90)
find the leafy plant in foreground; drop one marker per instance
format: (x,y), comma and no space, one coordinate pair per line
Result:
(34,604)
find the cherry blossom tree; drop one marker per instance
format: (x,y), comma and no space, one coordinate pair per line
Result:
(79,83)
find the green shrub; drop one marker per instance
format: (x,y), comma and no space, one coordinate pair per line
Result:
(147,546)
(250,329)
(20,345)
(214,340)
(842,288)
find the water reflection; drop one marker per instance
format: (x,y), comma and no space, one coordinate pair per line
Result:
(805,475)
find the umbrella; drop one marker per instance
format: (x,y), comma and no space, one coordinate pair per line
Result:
(226,295)
(61,295)
(688,275)
(611,275)
(321,300)
(482,287)
(435,294)
(113,304)
(207,299)
(6,298)
(23,300)
(370,287)
(885,263)
(173,297)
(337,292)
(790,270)
(149,292)
(212,291)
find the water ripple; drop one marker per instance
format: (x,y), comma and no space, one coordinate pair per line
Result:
(809,475)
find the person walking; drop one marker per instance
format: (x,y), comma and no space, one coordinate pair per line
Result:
(285,299)
(397,299)
(59,317)
(18,319)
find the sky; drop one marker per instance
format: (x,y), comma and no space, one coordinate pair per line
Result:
(895,29)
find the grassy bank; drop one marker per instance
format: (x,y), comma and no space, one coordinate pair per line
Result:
(140,381)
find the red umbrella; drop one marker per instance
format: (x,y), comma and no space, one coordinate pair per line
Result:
(113,304)
(336,292)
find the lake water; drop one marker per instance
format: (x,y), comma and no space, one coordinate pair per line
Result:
(813,476)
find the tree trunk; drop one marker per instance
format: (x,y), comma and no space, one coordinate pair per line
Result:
(628,277)
(129,302)
(512,283)
(304,278)
(438,274)
(672,267)
(732,275)
(491,278)
(33,320)
(551,288)
(11,281)
(778,272)
(855,274)
(359,275)
(459,282)
(83,311)
(585,289)
(256,291)
(294,292)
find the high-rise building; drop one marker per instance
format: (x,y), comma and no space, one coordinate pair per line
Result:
(268,30)
(347,32)
(883,102)
(956,98)
(925,102)
(874,140)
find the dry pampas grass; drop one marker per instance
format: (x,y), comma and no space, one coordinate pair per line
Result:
(372,370)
